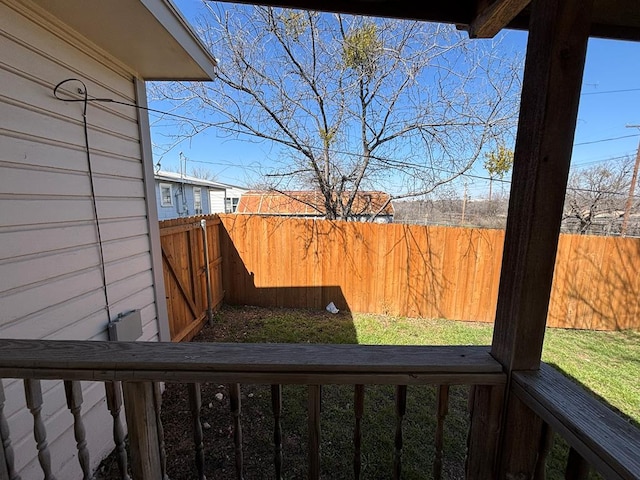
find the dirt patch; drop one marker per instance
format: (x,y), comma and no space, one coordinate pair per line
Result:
(232,325)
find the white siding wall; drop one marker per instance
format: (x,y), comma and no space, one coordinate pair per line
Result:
(50,279)
(216,201)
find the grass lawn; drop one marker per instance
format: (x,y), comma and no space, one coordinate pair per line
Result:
(607,363)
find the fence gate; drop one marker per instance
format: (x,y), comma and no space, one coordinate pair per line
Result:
(185,273)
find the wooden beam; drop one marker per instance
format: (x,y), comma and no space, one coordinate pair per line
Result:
(559,30)
(494,17)
(608,442)
(549,107)
(248,363)
(263,357)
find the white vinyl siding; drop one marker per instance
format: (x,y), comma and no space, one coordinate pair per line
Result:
(216,201)
(51,282)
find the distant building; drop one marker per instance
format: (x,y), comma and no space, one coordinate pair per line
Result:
(182,195)
(310,204)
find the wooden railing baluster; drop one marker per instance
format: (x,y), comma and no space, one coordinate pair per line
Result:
(33,395)
(546,442)
(401,409)
(577,467)
(235,405)
(4,473)
(276,406)
(5,438)
(442,409)
(73,392)
(358,407)
(157,400)
(195,402)
(313,422)
(114,404)
(139,407)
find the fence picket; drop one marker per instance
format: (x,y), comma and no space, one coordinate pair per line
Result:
(429,271)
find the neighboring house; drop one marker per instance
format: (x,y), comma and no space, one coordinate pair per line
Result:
(232,198)
(180,195)
(310,204)
(64,215)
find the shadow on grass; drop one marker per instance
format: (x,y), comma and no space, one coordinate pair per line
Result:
(251,324)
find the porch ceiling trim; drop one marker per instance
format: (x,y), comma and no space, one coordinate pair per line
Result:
(149,36)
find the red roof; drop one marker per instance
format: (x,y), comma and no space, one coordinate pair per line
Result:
(308,203)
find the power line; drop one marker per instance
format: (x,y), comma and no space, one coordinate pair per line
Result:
(611,91)
(86,99)
(209,124)
(602,160)
(605,140)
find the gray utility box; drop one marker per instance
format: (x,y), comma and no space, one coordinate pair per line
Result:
(127,327)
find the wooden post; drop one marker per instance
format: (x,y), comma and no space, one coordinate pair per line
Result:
(486,404)
(140,411)
(632,187)
(558,34)
(553,75)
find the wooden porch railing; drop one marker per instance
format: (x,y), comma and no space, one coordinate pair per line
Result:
(136,370)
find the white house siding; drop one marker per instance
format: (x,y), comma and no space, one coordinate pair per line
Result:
(216,201)
(50,278)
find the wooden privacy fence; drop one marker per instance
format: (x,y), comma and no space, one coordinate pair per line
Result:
(186,265)
(421,271)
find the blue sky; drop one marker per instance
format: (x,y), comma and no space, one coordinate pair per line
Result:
(610,101)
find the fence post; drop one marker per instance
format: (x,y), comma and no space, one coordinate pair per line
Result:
(203,227)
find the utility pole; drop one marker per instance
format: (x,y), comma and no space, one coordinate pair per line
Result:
(632,187)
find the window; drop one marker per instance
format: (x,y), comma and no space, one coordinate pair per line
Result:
(166,195)
(231,204)
(197,200)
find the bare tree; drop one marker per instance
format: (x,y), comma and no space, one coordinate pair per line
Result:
(195,171)
(203,173)
(596,197)
(355,103)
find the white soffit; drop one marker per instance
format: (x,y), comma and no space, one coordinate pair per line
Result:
(150,36)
